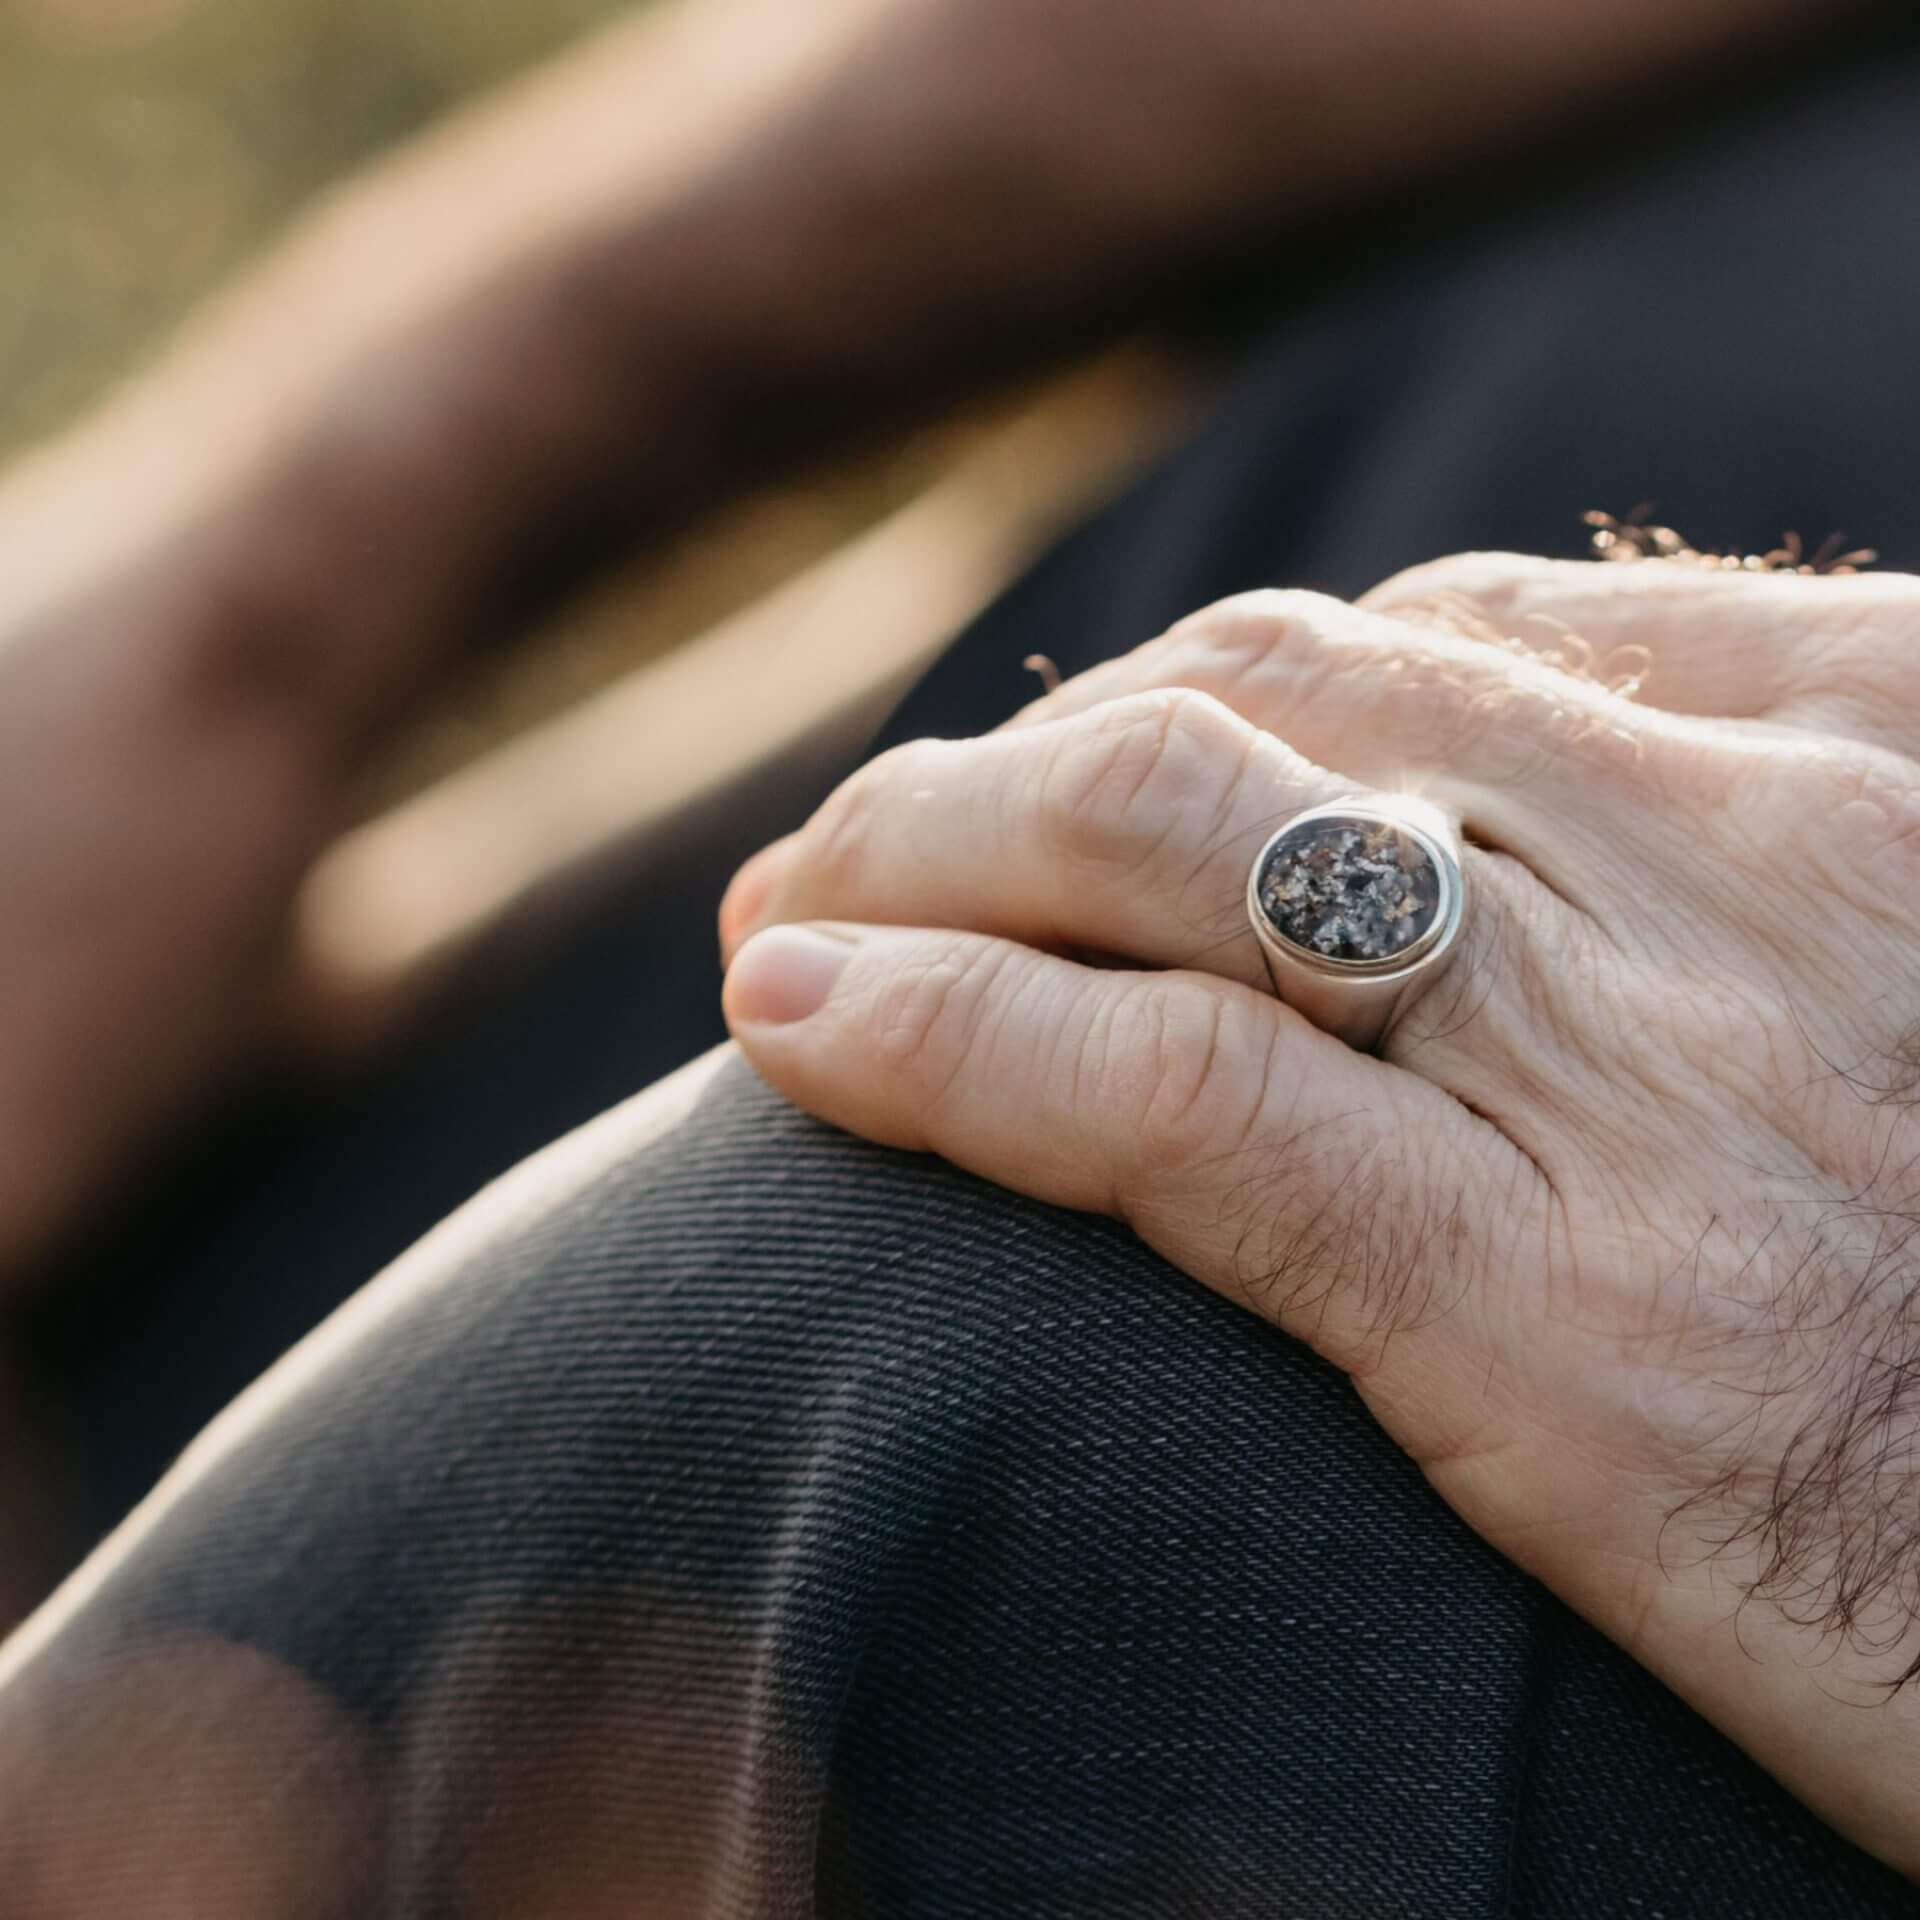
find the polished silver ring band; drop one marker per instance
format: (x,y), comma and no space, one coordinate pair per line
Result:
(1357,905)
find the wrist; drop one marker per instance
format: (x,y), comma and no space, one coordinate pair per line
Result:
(1823,1710)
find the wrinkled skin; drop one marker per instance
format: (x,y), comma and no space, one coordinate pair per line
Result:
(1615,1235)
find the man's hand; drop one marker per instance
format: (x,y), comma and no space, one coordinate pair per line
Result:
(1617,1237)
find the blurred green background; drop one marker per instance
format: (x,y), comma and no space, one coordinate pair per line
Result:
(150,146)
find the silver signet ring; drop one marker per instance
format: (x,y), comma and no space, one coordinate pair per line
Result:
(1357,905)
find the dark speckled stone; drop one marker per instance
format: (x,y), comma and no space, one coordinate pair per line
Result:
(1349,889)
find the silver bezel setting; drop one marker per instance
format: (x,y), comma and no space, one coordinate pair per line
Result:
(1356,999)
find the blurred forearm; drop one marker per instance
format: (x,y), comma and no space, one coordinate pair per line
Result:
(715,241)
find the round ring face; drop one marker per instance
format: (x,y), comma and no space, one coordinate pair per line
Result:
(1350,889)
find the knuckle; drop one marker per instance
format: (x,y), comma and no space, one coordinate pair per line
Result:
(929,1018)
(1196,1074)
(1129,774)
(1252,638)
(838,842)
(1485,579)
(1286,653)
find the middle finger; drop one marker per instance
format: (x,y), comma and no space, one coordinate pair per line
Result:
(1517,746)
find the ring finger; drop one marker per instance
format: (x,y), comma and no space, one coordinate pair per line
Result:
(1127,831)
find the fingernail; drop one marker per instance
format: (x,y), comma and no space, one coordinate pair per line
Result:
(746,898)
(785,974)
